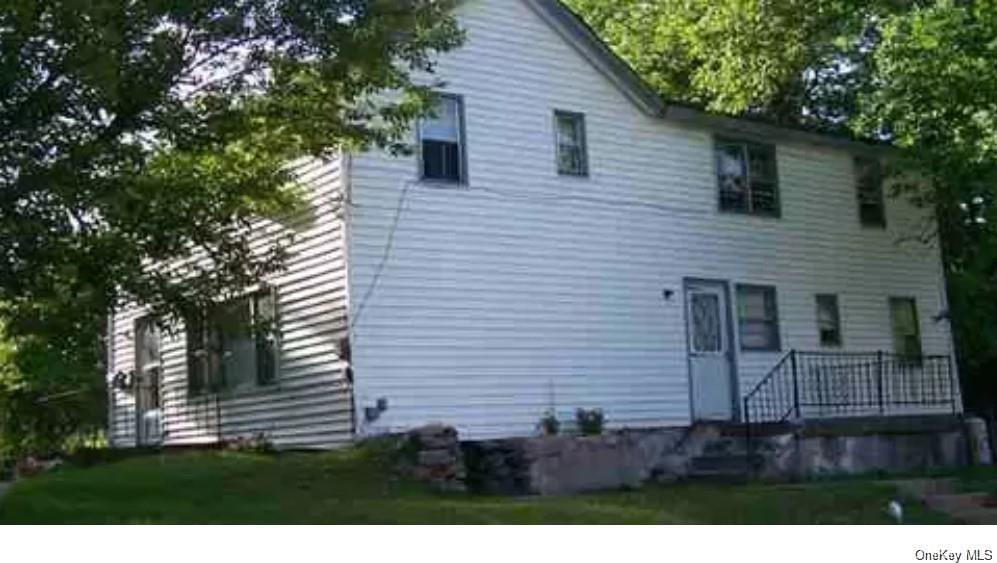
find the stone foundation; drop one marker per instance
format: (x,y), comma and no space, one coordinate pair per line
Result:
(562,464)
(550,465)
(432,454)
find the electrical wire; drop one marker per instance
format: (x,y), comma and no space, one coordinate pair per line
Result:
(592,201)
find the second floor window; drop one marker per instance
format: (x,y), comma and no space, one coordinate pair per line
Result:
(747,179)
(569,132)
(869,187)
(441,138)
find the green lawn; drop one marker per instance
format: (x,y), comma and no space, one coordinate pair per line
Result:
(355,486)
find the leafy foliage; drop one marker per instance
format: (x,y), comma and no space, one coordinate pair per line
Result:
(48,394)
(153,132)
(921,75)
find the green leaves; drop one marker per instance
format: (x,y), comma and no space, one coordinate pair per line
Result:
(153,132)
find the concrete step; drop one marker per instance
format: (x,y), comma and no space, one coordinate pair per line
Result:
(732,464)
(725,446)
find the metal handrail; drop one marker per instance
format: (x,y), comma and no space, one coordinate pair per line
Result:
(838,384)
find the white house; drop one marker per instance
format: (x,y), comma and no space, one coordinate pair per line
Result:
(562,239)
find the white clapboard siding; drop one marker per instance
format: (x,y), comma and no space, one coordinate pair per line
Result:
(309,405)
(525,290)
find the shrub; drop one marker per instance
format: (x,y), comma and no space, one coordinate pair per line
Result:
(549,424)
(590,422)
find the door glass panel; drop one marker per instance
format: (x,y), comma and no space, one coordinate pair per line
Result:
(706,335)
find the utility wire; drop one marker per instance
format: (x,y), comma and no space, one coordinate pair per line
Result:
(384,257)
(592,201)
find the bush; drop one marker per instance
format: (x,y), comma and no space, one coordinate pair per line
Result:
(549,424)
(590,422)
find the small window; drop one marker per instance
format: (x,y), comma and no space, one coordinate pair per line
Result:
(828,320)
(906,328)
(747,177)
(234,346)
(572,157)
(441,137)
(869,187)
(758,319)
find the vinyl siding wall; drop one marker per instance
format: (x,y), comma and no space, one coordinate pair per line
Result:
(525,290)
(309,404)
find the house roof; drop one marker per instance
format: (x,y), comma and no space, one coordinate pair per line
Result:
(580,36)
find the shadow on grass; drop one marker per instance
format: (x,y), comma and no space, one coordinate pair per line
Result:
(357,486)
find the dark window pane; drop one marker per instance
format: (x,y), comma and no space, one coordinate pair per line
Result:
(197,355)
(441,160)
(869,186)
(828,320)
(570,140)
(265,333)
(761,163)
(732,178)
(764,198)
(747,178)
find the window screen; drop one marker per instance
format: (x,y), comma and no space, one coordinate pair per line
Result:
(747,178)
(442,143)
(758,321)
(234,345)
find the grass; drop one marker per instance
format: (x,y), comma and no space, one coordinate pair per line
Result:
(355,486)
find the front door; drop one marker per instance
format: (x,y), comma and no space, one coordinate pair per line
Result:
(148,372)
(710,366)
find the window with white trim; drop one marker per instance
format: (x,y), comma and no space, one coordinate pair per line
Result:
(828,320)
(441,142)
(869,192)
(757,318)
(569,137)
(747,178)
(906,327)
(234,345)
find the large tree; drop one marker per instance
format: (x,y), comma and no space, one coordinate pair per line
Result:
(919,74)
(152,131)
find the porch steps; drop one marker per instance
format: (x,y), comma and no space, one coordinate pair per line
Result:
(723,459)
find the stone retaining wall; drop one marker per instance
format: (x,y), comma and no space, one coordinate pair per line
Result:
(565,464)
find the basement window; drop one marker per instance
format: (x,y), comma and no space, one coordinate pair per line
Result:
(234,345)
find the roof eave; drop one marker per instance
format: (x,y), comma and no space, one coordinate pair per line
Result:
(579,36)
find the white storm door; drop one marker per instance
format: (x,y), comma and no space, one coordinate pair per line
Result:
(709,352)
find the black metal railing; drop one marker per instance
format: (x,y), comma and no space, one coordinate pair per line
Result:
(819,385)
